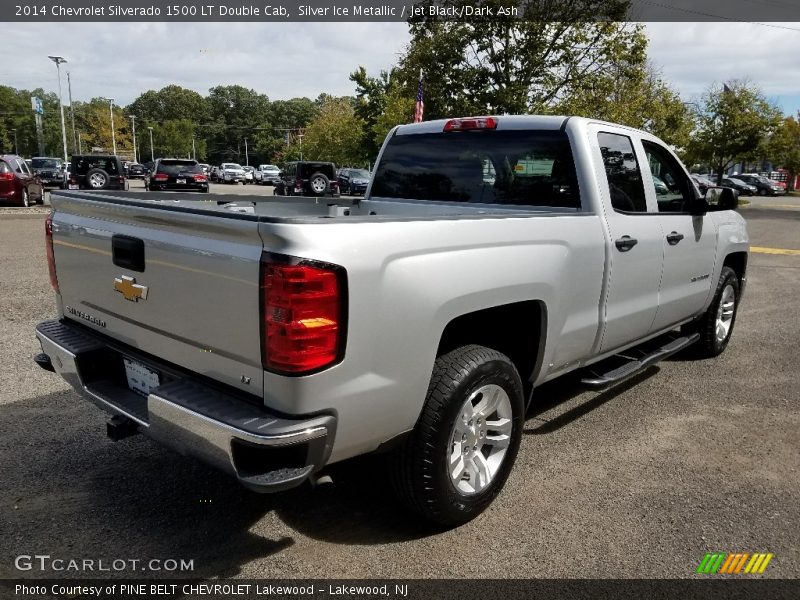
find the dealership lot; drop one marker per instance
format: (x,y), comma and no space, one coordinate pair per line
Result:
(638,481)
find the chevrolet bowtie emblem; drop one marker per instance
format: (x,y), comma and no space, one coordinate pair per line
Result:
(131,290)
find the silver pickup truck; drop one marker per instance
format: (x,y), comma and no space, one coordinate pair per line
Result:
(273,336)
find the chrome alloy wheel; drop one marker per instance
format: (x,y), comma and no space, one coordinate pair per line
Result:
(479,439)
(96,180)
(727,305)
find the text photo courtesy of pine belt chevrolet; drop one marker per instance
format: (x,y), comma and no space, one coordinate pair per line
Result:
(276,336)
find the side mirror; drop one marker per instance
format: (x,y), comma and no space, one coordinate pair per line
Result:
(721,198)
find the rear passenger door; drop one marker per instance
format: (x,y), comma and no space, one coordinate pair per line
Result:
(635,253)
(689,241)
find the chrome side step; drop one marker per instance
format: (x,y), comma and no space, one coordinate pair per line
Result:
(599,380)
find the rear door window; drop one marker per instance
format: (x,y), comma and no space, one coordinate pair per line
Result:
(519,167)
(623,173)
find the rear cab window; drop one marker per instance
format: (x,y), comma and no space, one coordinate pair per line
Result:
(327,169)
(507,167)
(106,163)
(174,167)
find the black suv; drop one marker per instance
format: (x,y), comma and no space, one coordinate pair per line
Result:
(50,170)
(176,174)
(308,178)
(96,172)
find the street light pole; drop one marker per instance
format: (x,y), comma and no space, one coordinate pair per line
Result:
(194,154)
(246,154)
(152,156)
(113,135)
(72,115)
(59,60)
(16,151)
(133,132)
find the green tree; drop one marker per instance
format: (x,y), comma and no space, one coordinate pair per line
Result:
(335,134)
(636,96)
(94,122)
(731,122)
(372,100)
(516,65)
(784,147)
(172,102)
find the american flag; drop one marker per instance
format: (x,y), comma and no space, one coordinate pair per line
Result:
(420,108)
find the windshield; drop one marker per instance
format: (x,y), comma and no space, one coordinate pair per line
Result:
(362,173)
(269,168)
(174,167)
(533,168)
(231,166)
(46,163)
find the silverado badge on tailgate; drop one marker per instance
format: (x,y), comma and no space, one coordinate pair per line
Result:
(131,290)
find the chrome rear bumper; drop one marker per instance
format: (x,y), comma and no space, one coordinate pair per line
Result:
(265,451)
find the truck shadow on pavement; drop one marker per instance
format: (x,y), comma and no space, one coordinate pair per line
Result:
(562,391)
(68,491)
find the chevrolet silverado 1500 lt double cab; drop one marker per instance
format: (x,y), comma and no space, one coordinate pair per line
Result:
(271,337)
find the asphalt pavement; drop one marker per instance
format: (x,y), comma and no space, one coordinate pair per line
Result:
(638,481)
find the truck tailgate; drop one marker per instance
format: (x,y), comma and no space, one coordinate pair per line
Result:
(193,302)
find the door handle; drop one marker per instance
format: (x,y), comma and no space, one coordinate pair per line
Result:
(625,243)
(674,237)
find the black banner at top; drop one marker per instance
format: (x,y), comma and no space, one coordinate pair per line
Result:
(780,12)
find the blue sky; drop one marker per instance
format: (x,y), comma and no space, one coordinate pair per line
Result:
(296,59)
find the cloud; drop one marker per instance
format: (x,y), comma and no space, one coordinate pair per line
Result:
(285,60)
(124,59)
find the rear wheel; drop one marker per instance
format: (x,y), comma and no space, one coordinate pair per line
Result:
(26,199)
(465,442)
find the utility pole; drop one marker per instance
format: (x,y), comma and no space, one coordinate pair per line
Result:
(246,155)
(194,154)
(80,147)
(72,114)
(113,135)
(152,156)
(133,131)
(59,60)
(16,151)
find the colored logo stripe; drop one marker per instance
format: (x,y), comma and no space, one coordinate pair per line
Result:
(731,563)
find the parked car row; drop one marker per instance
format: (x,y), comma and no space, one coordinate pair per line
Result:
(747,184)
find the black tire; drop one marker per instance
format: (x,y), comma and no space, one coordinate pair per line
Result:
(419,467)
(97,179)
(319,184)
(710,345)
(26,198)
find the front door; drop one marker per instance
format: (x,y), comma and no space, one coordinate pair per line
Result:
(689,241)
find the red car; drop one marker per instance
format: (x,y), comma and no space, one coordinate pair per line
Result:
(17,184)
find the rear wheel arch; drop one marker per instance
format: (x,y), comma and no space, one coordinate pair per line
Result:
(518,330)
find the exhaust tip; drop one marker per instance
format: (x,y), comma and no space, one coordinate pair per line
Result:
(44,361)
(120,427)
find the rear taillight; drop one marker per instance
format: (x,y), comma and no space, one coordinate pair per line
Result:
(470,124)
(6,176)
(303,308)
(51,259)
(160,177)
(200,178)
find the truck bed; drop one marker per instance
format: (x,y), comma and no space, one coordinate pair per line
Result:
(303,209)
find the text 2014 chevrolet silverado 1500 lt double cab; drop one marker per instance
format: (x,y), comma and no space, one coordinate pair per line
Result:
(273,337)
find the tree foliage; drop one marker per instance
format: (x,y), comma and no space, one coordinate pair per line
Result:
(516,65)
(784,146)
(335,135)
(731,121)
